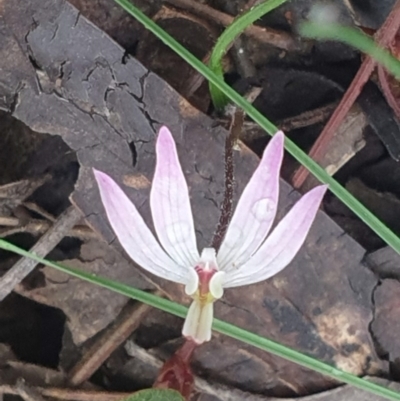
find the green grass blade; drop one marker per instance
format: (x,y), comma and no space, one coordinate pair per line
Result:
(120,288)
(238,26)
(353,37)
(349,200)
(218,325)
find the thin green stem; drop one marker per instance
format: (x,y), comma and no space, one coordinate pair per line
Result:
(218,325)
(349,200)
(219,99)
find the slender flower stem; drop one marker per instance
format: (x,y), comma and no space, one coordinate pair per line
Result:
(235,130)
(176,373)
(218,325)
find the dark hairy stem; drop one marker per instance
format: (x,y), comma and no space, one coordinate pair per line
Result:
(226,208)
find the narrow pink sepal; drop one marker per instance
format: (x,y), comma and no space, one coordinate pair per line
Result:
(255,211)
(170,204)
(283,244)
(133,233)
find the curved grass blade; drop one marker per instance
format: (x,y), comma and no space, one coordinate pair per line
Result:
(219,99)
(353,37)
(218,325)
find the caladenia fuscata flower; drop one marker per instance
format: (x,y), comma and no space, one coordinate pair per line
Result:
(247,254)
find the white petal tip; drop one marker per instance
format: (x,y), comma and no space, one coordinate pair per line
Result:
(318,193)
(277,140)
(99,175)
(165,136)
(103,180)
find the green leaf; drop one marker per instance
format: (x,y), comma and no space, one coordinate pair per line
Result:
(155,394)
(238,26)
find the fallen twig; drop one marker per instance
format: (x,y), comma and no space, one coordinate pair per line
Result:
(26,392)
(68,394)
(127,321)
(38,227)
(270,36)
(42,247)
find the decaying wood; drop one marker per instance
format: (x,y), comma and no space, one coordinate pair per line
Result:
(385,262)
(385,206)
(346,142)
(386,322)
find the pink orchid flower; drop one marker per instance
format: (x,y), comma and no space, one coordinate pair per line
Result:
(246,255)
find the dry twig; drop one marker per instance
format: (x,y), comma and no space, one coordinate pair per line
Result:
(270,36)
(44,245)
(127,321)
(67,394)
(27,393)
(38,227)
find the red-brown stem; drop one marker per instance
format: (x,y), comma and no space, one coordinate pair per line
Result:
(387,91)
(176,373)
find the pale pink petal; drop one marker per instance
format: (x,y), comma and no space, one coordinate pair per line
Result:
(282,245)
(198,322)
(255,211)
(133,233)
(170,204)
